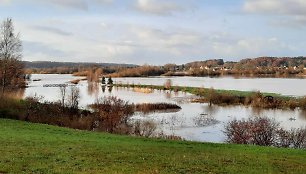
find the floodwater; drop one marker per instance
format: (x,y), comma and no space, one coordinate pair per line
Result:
(195,121)
(285,86)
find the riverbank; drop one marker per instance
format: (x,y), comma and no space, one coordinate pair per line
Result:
(231,97)
(37,148)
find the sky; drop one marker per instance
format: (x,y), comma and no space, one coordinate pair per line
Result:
(157,32)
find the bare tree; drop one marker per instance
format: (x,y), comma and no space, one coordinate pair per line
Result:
(11,69)
(74,97)
(63,90)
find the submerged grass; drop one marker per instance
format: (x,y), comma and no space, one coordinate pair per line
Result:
(37,148)
(197,90)
(233,97)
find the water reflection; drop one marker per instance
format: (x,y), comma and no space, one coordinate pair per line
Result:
(209,109)
(110,89)
(93,89)
(302,114)
(103,88)
(16,93)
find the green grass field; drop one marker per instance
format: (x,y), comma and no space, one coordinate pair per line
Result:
(37,148)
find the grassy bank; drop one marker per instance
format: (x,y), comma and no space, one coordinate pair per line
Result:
(36,148)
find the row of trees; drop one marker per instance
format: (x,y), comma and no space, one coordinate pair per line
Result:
(11,68)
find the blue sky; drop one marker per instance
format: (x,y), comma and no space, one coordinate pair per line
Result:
(157,31)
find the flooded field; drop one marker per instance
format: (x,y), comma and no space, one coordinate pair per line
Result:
(195,121)
(284,86)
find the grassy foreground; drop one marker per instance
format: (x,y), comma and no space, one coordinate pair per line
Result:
(37,148)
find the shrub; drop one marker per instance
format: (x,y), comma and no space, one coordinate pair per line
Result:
(299,138)
(238,132)
(264,132)
(302,102)
(151,107)
(112,112)
(258,131)
(144,128)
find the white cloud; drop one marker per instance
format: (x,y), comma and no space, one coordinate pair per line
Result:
(138,44)
(252,47)
(286,7)
(296,22)
(77,4)
(159,7)
(286,13)
(72,4)
(4,2)
(52,30)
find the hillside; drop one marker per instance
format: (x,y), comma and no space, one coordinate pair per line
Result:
(36,148)
(50,64)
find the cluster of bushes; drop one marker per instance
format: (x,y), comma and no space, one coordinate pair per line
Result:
(141,71)
(113,115)
(109,114)
(32,110)
(151,107)
(264,132)
(224,97)
(255,99)
(204,72)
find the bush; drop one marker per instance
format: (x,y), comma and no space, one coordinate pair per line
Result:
(111,112)
(302,102)
(144,128)
(151,107)
(264,132)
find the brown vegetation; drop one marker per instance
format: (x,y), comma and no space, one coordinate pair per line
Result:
(264,132)
(262,66)
(151,107)
(112,113)
(11,69)
(231,97)
(255,99)
(141,71)
(76,81)
(108,114)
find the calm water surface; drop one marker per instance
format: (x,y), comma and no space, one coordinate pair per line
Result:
(195,121)
(285,86)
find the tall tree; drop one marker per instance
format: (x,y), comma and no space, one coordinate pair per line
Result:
(11,68)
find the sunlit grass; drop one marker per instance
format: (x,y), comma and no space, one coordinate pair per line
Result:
(37,148)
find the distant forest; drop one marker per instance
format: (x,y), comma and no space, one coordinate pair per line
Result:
(49,64)
(44,67)
(253,62)
(261,66)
